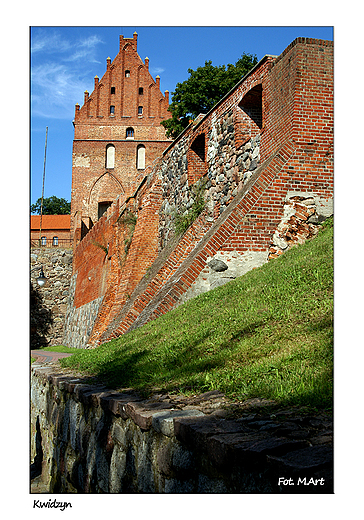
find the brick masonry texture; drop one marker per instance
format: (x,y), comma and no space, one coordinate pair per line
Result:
(263,160)
(121,116)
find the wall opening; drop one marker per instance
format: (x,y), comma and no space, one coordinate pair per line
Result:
(252,105)
(102,207)
(141,157)
(130,133)
(110,156)
(196,158)
(249,116)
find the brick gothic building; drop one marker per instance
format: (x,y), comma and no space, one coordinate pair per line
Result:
(262,158)
(117,135)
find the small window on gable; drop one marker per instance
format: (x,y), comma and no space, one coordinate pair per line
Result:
(127,73)
(130,133)
(140,111)
(112,90)
(110,156)
(141,157)
(112,110)
(140,91)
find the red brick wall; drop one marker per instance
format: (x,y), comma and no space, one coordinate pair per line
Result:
(91,262)
(295,101)
(96,127)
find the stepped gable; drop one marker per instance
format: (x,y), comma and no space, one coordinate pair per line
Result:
(260,167)
(117,134)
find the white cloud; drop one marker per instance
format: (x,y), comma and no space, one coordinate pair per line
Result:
(55,89)
(60,73)
(156,70)
(49,43)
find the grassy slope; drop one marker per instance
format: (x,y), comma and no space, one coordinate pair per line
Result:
(266,334)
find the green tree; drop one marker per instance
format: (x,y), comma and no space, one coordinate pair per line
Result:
(51,206)
(202,90)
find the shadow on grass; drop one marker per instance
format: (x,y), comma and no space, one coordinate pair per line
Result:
(124,368)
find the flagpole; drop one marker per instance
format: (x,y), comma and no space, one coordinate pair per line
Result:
(41,204)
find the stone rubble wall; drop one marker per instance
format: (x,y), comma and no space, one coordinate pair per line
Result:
(89,439)
(52,298)
(228,169)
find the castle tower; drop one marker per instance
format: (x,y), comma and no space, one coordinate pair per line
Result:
(117,134)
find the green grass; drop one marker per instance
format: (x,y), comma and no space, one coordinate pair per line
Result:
(60,348)
(267,334)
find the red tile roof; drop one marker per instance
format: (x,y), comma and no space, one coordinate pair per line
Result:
(51,222)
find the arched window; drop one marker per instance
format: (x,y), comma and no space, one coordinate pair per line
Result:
(43,241)
(141,157)
(110,156)
(55,241)
(130,133)
(112,110)
(127,73)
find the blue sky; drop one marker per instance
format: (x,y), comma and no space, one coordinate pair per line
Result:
(65,60)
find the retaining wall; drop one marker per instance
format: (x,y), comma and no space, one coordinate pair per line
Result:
(89,439)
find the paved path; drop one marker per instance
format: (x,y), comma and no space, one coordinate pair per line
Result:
(43,356)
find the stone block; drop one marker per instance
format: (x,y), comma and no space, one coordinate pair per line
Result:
(163,422)
(142,414)
(310,458)
(195,431)
(217,265)
(118,434)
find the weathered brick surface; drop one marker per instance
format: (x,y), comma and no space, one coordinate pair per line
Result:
(262,151)
(138,106)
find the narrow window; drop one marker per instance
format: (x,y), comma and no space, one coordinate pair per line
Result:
(127,73)
(140,91)
(43,241)
(141,157)
(110,156)
(55,241)
(112,110)
(112,90)
(130,133)
(140,111)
